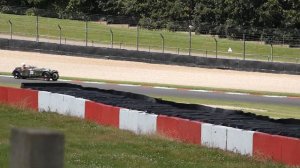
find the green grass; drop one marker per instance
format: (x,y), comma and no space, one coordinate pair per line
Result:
(75,30)
(271,110)
(90,146)
(9,85)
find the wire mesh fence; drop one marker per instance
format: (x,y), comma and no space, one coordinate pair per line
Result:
(98,31)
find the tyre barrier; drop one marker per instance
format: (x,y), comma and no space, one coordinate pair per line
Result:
(253,143)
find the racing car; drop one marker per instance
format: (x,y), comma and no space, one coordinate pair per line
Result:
(25,72)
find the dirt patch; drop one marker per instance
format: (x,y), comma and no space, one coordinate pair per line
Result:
(152,73)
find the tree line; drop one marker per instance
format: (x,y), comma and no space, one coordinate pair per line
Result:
(229,17)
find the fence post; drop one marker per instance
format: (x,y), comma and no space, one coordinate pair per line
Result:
(163,43)
(190,39)
(244,52)
(111,38)
(86,33)
(271,51)
(59,34)
(216,48)
(137,37)
(37,28)
(36,148)
(10,28)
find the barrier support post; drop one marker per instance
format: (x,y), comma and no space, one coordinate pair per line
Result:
(86,33)
(244,52)
(163,43)
(37,28)
(111,38)
(137,37)
(10,28)
(216,48)
(59,27)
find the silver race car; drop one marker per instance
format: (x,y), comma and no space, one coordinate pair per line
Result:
(24,72)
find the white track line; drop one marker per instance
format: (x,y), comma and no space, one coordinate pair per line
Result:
(167,88)
(270,96)
(98,83)
(202,91)
(129,85)
(6,76)
(236,93)
(64,80)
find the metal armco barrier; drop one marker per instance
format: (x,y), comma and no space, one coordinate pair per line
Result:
(279,148)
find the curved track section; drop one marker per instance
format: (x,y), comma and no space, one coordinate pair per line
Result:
(159,91)
(217,116)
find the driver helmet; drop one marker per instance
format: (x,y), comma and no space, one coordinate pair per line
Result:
(23,64)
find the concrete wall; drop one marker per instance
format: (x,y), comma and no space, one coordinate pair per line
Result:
(279,148)
(142,56)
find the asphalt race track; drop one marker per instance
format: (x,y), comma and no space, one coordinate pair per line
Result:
(174,92)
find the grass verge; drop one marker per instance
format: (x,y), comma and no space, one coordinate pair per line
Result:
(174,41)
(90,146)
(271,110)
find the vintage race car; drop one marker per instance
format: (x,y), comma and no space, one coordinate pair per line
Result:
(34,72)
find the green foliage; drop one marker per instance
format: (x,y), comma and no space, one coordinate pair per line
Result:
(266,13)
(227,18)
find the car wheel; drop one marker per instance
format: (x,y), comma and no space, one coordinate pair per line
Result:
(46,76)
(55,76)
(17,75)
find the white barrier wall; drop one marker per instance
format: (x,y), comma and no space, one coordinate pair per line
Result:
(56,101)
(240,141)
(66,105)
(206,134)
(77,107)
(146,123)
(213,136)
(226,138)
(44,101)
(129,120)
(62,104)
(219,136)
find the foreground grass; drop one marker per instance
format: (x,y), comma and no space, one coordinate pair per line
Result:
(174,41)
(90,146)
(271,110)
